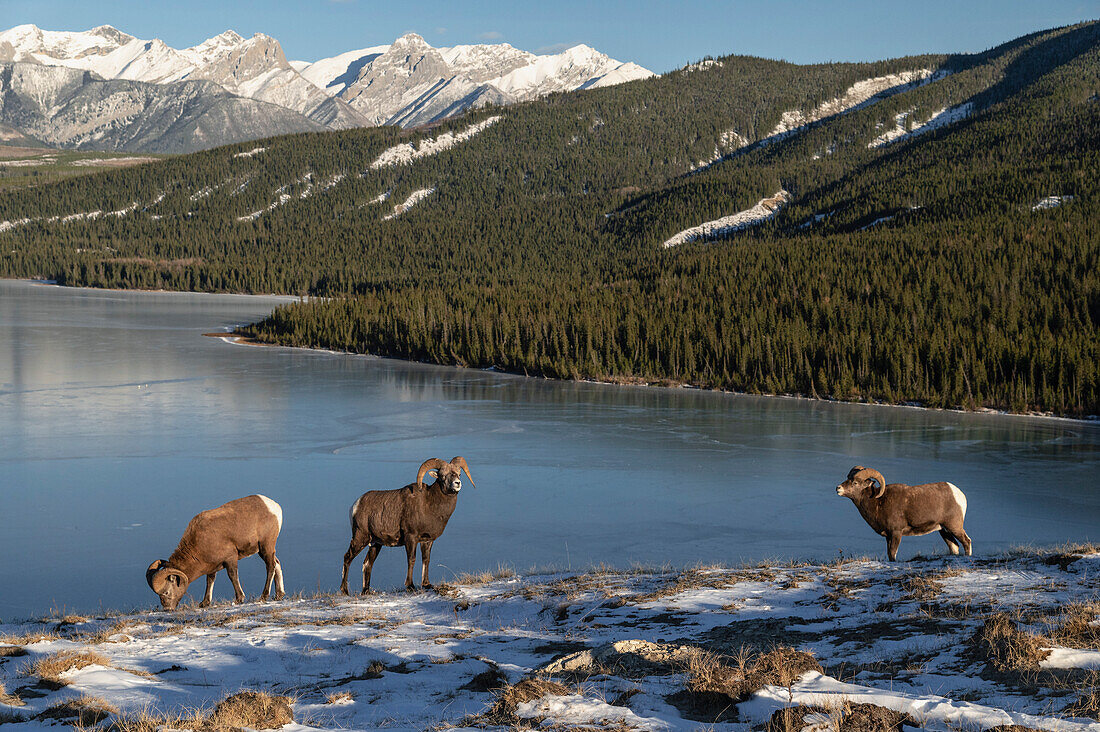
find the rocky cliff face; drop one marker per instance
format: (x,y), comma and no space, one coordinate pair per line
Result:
(72,108)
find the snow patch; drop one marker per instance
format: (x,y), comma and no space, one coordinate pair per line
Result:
(408,152)
(1071,658)
(728,141)
(414,198)
(576,709)
(1051,202)
(902,131)
(857,96)
(703,65)
(764,209)
(283,199)
(251,153)
(818,690)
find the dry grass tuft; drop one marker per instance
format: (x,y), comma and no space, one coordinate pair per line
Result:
(246,709)
(339,697)
(1087,703)
(484,578)
(84,711)
(1005,648)
(1076,626)
(502,713)
(717,684)
(12,700)
(12,651)
(29,639)
(50,668)
(254,709)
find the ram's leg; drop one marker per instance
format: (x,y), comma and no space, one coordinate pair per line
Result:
(269,562)
(410,554)
(280,588)
(208,597)
(962,536)
(231,570)
(425,559)
(893,541)
(949,538)
(368,565)
(358,541)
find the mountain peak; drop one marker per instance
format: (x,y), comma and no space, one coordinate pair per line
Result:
(414,40)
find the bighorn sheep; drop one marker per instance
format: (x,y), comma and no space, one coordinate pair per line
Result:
(898,510)
(217,539)
(415,514)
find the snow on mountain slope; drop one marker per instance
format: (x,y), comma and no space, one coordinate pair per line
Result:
(855,97)
(32,44)
(410,83)
(408,152)
(482,62)
(575,68)
(332,75)
(764,209)
(902,131)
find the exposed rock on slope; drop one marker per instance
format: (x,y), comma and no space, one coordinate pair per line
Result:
(71,108)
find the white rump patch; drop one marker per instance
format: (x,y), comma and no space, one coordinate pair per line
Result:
(959,497)
(276,510)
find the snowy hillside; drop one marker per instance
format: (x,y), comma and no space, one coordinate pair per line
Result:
(939,644)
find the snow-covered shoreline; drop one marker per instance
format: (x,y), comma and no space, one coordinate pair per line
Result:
(641,648)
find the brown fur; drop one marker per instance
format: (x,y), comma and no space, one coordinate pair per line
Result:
(217,539)
(415,514)
(906,510)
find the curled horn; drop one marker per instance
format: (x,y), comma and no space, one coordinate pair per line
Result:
(152,572)
(460,462)
(853,471)
(159,573)
(429,464)
(870,473)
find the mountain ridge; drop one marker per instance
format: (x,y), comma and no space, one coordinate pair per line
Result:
(407,82)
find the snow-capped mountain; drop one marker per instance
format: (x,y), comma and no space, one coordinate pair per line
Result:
(410,82)
(74,108)
(406,83)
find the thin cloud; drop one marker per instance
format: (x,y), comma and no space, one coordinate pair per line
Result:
(440,31)
(490,36)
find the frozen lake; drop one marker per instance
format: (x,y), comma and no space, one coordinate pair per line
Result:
(119,421)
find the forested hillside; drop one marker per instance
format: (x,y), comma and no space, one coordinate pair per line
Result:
(925,229)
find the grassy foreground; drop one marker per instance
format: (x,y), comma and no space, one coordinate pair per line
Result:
(1007,643)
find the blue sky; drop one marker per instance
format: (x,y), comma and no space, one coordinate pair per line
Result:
(658,35)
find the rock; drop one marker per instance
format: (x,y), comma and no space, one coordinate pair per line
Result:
(627,658)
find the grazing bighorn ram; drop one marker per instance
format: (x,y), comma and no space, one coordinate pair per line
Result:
(217,539)
(415,514)
(898,510)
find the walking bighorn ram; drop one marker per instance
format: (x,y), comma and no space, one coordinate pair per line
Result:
(898,510)
(217,539)
(415,514)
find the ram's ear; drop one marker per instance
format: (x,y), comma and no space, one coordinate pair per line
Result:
(434,473)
